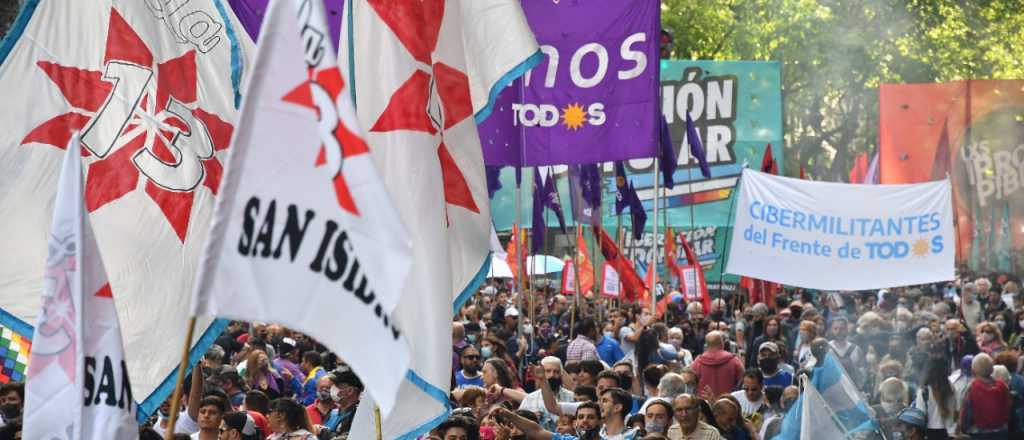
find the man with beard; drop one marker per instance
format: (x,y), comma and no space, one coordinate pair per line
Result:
(469,375)
(849,354)
(587,424)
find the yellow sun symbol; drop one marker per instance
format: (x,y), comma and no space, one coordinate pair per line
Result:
(573,116)
(920,248)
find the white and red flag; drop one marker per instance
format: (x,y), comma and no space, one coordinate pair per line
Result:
(423,72)
(305,233)
(78,386)
(152,86)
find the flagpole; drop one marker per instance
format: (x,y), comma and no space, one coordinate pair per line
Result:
(729,225)
(517,234)
(376,421)
(176,397)
(576,274)
(654,245)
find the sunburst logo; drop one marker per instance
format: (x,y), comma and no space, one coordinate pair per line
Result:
(920,248)
(573,116)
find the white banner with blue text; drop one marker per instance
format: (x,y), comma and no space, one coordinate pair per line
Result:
(837,236)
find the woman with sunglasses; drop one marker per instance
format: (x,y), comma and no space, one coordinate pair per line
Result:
(990,339)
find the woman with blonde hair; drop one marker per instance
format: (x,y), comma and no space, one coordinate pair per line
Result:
(802,353)
(990,338)
(262,376)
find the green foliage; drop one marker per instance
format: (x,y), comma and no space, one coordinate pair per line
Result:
(835,53)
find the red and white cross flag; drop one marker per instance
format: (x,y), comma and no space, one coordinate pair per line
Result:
(152,87)
(78,386)
(424,73)
(304,233)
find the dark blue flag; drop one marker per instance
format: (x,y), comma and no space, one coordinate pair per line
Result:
(696,147)
(668,162)
(493,179)
(636,213)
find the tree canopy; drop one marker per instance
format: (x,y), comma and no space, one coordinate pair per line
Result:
(835,53)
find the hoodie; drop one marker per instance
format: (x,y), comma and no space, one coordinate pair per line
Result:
(718,369)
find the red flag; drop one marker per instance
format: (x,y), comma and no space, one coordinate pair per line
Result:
(586,267)
(513,251)
(768,164)
(860,168)
(760,290)
(670,253)
(701,287)
(632,285)
(940,165)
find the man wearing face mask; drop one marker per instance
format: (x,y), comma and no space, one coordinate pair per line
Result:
(321,408)
(345,390)
(552,376)
(12,402)
(768,359)
(658,416)
(608,349)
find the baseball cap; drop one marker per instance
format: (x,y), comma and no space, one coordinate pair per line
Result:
(770,346)
(511,311)
(913,417)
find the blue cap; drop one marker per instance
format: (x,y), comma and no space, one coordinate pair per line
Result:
(914,417)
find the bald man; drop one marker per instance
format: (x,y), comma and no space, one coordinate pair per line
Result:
(718,371)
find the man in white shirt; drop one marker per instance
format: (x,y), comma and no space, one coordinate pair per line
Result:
(534,402)
(751,396)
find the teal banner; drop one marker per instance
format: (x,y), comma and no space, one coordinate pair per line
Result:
(737,109)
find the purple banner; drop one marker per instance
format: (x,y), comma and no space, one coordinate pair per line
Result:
(595,98)
(250,13)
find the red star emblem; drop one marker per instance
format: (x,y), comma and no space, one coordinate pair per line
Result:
(164,135)
(320,92)
(414,105)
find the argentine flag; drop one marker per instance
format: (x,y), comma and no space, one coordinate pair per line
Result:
(829,403)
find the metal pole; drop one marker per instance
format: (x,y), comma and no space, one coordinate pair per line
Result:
(654,245)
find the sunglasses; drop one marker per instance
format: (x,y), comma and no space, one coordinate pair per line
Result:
(472,357)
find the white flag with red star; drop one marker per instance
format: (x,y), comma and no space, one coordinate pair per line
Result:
(423,70)
(305,234)
(152,86)
(78,385)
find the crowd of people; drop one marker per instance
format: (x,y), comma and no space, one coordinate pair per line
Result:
(933,362)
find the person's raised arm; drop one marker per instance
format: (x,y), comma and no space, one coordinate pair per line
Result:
(195,392)
(532,430)
(550,403)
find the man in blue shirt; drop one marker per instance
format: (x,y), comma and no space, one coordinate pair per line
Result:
(470,372)
(311,366)
(608,349)
(768,360)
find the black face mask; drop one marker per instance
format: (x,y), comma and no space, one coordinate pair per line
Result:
(769,365)
(555,383)
(716,316)
(11,411)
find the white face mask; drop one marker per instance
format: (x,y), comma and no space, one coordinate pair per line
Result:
(335,393)
(527,329)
